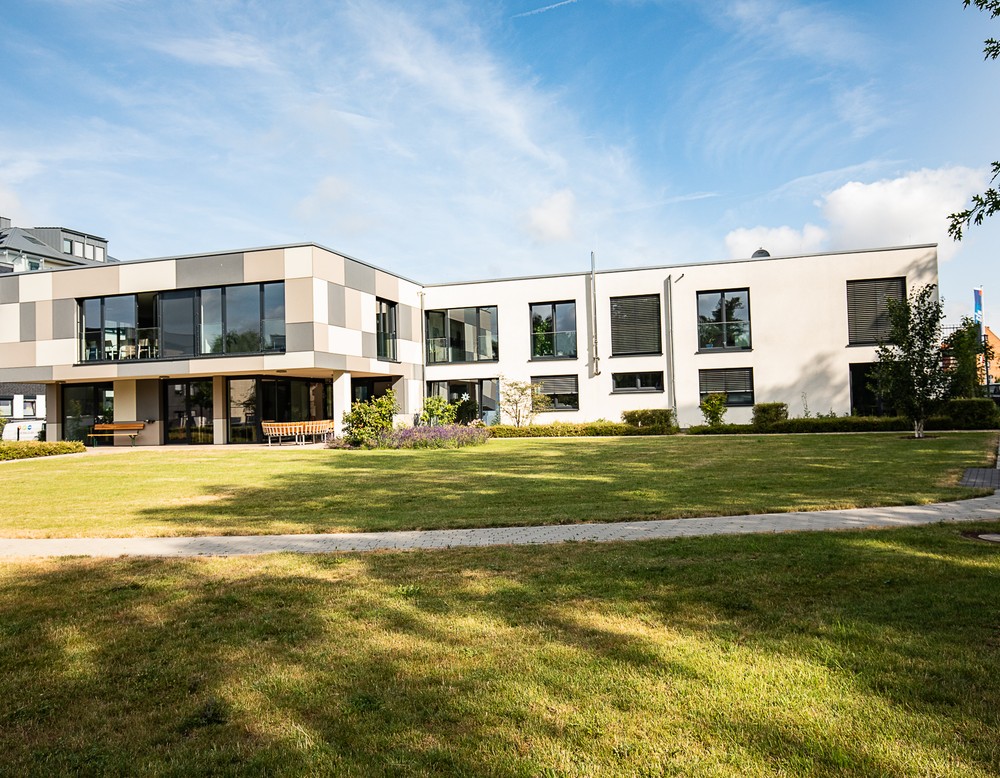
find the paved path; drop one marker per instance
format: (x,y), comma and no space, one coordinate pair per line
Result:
(979,509)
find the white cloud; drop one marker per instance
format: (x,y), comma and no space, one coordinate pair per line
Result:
(779,241)
(912,208)
(552,219)
(233,50)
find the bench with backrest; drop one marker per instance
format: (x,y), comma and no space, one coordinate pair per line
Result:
(296,430)
(117,428)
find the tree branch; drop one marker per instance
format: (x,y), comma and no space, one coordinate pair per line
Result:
(983,206)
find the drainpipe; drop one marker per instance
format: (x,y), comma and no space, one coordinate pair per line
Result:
(670,343)
(593,312)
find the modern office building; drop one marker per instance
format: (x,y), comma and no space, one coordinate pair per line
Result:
(203,348)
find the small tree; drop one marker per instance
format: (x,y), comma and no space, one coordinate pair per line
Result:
(437,410)
(908,373)
(713,408)
(367,421)
(520,401)
(965,348)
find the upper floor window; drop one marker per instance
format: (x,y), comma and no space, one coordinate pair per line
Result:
(241,319)
(67,245)
(553,330)
(385,329)
(462,335)
(635,325)
(724,319)
(867,312)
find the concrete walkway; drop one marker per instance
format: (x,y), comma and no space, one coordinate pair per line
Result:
(979,509)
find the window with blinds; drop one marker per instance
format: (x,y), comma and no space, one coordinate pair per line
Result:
(635,325)
(736,383)
(563,391)
(867,312)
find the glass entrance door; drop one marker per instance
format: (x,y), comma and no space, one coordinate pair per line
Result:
(188,411)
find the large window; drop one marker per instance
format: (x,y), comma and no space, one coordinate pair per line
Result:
(462,335)
(724,319)
(476,398)
(553,330)
(637,382)
(85,405)
(635,325)
(252,400)
(188,411)
(867,312)
(242,319)
(563,391)
(385,329)
(736,383)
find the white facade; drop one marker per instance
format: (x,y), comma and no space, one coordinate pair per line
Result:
(798,330)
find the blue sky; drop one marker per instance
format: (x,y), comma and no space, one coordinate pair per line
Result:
(452,140)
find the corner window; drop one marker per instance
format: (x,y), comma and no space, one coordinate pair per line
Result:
(867,312)
(736,383)
(385,329)
(562,390)
(553,330)
(462,335)
(724,319)
(637,382)
(635,325)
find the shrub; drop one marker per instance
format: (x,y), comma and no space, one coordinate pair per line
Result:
(973,414)
(649,417)
(766,414)
(437,410)
(367,421)
(29,449)
(587,429)
(713,408)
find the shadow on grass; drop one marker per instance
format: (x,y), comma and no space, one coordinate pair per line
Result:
(848,654)
(514,484)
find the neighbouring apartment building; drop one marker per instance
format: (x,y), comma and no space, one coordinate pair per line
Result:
(203,348)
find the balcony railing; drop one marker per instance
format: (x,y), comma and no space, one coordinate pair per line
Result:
(144,343)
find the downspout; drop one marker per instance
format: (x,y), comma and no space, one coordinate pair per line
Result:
(423,353)
(670,344)
(593,314)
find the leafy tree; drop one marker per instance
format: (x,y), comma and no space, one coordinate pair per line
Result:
(521,400)
(437,410)
(366,422)
(987,203)
(964,347)
(908,373)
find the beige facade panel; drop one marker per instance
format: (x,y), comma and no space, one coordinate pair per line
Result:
(343,340)
(18,355)
(56,352)
(261,266)
(86,282)
(353,309)
(10,323)
(321,337)
(331,361)
(147,276)
(35,287)
(328,266)
(298,262)
(386,286)
(298,300)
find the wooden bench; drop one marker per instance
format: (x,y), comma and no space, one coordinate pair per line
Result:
(296,430)
(114,429)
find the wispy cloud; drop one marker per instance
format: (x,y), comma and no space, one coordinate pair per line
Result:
(544,9)
(232,50)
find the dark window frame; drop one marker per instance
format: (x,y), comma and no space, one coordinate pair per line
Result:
(630,338)
(733,380)
(638,388)
(386,340)
(725,324)
(557,404)
(867,312)
(554,333)
(448,346)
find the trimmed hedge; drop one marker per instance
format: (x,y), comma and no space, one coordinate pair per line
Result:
(977,418)
(29,449)
(568,430)
(766,414)
(649,417)
(980,413)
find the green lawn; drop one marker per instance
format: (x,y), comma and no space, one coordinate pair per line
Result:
(840,654)
(214,490)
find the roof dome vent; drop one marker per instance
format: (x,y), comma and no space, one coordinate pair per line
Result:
(760,253)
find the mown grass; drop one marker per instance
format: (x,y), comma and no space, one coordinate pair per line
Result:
(847,654)
(213,490)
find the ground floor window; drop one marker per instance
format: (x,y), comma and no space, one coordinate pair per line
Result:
(736,383)
(563,391)
(476,398)
(187,411)
(864,401)
(637,382)
(256,399)
(85,405)
(365,389)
